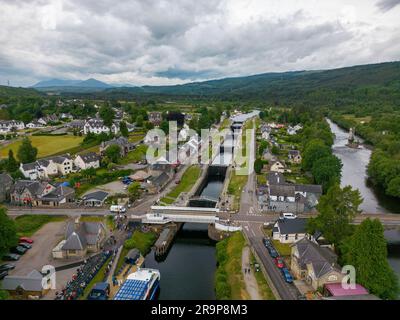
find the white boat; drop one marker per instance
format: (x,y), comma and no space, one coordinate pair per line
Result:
(140,285)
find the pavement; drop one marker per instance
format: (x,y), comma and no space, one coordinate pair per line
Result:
(249,278)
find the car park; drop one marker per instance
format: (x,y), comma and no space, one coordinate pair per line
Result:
(6,267)
(25,245)
(18,250)
(279,262)
(286,275)
(11,257)
(25,239)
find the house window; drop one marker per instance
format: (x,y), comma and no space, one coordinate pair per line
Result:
(286,237)
(296,236)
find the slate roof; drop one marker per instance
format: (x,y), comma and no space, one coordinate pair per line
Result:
(34,187)
(292,226)
(283,190)
(59,193)
(97,195)
(89,157)
(78,237)
(5,179)
(294,153)
(275,178)
(322,259)
(160,180)
(30,282)
(312,188)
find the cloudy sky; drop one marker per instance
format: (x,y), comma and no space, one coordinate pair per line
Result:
(169,42)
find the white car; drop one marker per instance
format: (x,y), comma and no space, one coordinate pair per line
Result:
(288,215)
(117,209)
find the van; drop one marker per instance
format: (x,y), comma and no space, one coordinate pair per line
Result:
(100,291)
(117,209)
(288,215)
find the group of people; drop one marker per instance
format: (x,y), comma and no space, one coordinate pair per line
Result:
(84,274)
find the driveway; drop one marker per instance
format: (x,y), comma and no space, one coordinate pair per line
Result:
(45,240)
(111,187)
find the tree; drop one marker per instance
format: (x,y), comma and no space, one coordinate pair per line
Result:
(107,114)
(337,209)
(366,250)
(164,126)
(315,149)
(4,295)
(139,121)
(26,152)
(275,150)
(124,129)
(258,165)
(393,188)
(113,153)
(134,191)
(327,171)
(12,164)
(8,232)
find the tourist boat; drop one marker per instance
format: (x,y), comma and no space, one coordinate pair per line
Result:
(140,285)
(352,141)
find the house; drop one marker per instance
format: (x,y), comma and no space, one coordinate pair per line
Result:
(282,198)
(310,193)
(40,193)
(76,125)
(336,291)
(81,238)
(155,169)
(87,160)
(278,166)
(316,265)
(155,118)
(275,178)
(66,116)
(289,230)
(34,125)
(24,287)
(95,199)
(97,126)
(52,118)
(122,142)
(140,175)
(10,125)
(64,163)
(156,184)
(294,156)
(6,183)
(40,169)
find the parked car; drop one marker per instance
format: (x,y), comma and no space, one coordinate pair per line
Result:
(257,267)
(279,262)
(25,245)
(18,250)
(11,257)
(117,209)
(100,291)
(25,239)
(286,275)
(288,215)
(267,242)
(6,267)
(272,252)
(3,274)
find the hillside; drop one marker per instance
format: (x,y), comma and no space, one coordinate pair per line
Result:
(80,86)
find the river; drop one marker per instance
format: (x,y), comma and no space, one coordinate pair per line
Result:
(188,271)
(354,173)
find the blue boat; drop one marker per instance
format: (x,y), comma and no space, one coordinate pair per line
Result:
(140,285)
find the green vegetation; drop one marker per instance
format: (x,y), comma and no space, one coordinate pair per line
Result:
(284,249)
(27,225)
(4,295)
(229,282)
(189,178)
(46,145)
(142,241)
(235,187)
(263,287)
(136,155)
(366,250)
(8,231)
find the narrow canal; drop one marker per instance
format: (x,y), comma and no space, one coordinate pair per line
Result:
(188,271)
(354,173)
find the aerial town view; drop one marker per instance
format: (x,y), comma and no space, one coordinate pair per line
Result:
(217,150)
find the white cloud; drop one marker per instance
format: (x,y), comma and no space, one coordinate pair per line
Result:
(166,42)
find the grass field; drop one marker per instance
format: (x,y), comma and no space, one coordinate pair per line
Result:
(28,225)
(229,281)
(189,178)
(284,249)
(46,145)
(235,187)
(263,287)
(136,155)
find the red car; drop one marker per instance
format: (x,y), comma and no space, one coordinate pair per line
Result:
(25,239)
(279,262)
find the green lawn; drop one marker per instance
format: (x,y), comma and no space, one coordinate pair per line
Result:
(136,155)
(189,178)
(27,225)
(229,281)
(284,249)
(136,137)
(235,187)
(142,241)
(263,287)
(47,145)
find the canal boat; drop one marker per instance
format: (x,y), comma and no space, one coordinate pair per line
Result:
(140,285)
(352,142)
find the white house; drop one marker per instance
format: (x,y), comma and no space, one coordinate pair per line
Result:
(88,160)
(65,164)
(97,126)
(40,169)
(7,125)
(34,125)
(278,166)
(289,230)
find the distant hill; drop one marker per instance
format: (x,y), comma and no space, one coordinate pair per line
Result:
(88,85)
(12,92)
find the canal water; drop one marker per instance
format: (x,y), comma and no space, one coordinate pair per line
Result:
(188,271)
(354,173)
(213,187)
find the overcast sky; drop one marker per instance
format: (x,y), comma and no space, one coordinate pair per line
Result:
(169,42)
